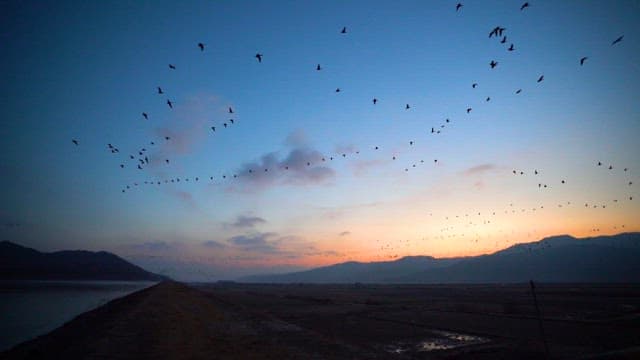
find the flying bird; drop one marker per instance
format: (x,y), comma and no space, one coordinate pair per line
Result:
(231,120)
(318,68)
(74,141)
(166,160)
(170,104)
(337,89)
(511,48)
(525,5)
(167,138)
(121,166)
(230,110)
(146,117)
(459,6)
(407,107)
(504,40)
(617,40)
(518,91)
(493,64)
(259,57)
(160,90)
(201,46)
(172,67)
(541,78)
(474,85)
(583,60)
(344,30)
(375,101)
(469,110)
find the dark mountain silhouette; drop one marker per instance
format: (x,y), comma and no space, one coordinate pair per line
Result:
(555,259)
(352,271)
(22,263)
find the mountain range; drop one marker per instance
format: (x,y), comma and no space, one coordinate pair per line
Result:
(22,263)
(562,258)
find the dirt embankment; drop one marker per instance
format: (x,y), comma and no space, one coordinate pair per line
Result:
(173,321)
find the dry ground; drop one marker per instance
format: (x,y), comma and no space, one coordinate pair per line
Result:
(244,321)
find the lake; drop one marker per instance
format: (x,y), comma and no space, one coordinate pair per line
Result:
(32,308)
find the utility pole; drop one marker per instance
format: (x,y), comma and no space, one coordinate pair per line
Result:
(535,302)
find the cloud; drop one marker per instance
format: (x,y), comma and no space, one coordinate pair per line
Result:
(185,197)
(256,242)
(480,169)
(301,166)
(154,247)
(243,221)
(297,138)
(213,244)
(361,167)
(189,121)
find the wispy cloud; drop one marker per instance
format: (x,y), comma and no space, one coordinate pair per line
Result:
(302,165)
(480,169)
(213,244)
(244,221)
(259,242)
(362,167)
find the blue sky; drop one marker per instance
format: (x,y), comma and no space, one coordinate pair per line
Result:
(88,71)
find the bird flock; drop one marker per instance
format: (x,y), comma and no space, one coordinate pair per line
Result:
(141,157)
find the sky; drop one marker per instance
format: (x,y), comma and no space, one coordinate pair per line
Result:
(345,179)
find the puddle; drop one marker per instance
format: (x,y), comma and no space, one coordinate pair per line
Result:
(442,340)
(450,340)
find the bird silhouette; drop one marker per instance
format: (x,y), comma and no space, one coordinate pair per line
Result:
(459,6)
(230,110)
(407,107)
(167,138)
(344,30)
(172,67)
(122,166)
(541,78)
(375,101)
(474,85)
(146,117)
(518,91)
(583,60)
(469,110)
(170,104)
(504,40)
(231,120)
(75,142)
(224,124)
(511,48)
(318,68)
(493,64)
(337,90)
(488,98)
(259,57)
(433,130)
(617,40)
(166,160)
(160,90)
(201,46)
(525,5)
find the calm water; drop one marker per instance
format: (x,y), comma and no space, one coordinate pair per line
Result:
(32,308)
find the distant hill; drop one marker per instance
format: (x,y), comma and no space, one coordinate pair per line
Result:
(555,259)
(22,263)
